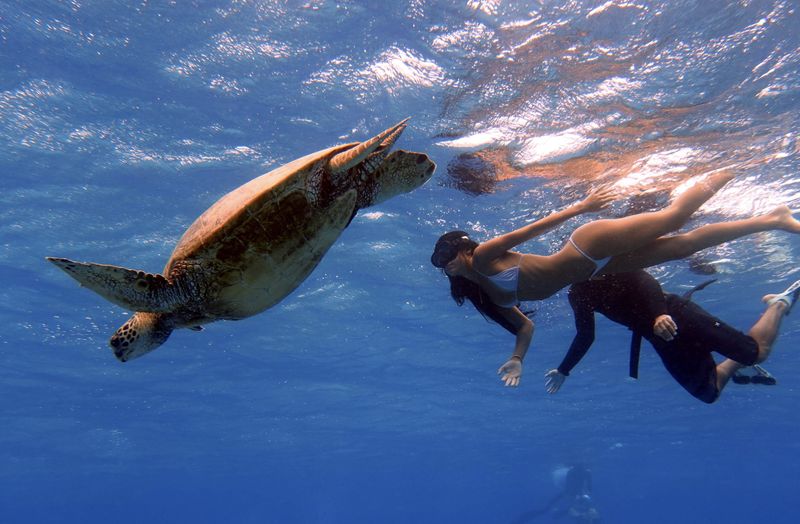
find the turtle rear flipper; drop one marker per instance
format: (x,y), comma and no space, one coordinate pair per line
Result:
(128,288)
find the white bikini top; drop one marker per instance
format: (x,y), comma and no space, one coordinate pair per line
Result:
(507,281)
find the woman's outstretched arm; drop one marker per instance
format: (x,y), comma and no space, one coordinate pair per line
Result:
(511,371)
(497,247)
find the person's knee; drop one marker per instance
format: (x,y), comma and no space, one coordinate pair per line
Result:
(685,244)
(753,353)
(708,391)
(708,395)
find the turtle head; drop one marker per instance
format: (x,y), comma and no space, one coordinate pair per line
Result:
(400,172)
(141,334)
(375,173)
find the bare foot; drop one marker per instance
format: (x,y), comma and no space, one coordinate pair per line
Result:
(715,181)
(784,219)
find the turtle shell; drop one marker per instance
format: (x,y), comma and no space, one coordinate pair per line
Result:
(237,218)
(258,242)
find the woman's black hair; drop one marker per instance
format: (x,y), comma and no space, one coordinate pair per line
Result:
(447,247)
(462,288)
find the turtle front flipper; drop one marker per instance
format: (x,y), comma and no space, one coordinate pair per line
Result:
(131,289)
(381,143)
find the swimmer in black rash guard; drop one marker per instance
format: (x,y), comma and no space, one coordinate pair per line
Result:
(506,277)
(682,333)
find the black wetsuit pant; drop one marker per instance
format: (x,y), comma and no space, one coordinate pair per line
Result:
(688,356)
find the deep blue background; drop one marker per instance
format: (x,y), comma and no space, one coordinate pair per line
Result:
(367,395)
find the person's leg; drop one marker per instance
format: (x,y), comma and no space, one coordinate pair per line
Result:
(609,237)
(691,366)
(764,332)
(725,370)
(700,333)
(679,246)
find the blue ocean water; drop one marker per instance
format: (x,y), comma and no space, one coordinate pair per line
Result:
(367,395)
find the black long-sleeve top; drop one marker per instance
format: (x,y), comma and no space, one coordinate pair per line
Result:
(632,299)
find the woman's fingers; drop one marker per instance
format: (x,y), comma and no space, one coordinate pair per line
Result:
(510,380)
(606,195)
(601,198)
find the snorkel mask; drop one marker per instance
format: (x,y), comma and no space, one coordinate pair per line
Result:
(448,246)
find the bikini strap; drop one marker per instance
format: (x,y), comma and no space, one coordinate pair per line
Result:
(581,251)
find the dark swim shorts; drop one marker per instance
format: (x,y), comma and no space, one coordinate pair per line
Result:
(688,356)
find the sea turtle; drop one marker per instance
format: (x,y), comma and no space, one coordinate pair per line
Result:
(256,244)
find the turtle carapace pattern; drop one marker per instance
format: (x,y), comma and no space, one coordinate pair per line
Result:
(256,244)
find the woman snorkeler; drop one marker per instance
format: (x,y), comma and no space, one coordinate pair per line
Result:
(495,279)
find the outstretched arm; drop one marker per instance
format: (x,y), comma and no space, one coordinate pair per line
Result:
(584,337)
(511,371)
(497,247)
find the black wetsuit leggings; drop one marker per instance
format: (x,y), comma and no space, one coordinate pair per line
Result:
(688,356)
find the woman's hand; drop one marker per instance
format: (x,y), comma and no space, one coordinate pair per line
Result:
(598,199)
(513,370)
(665,327)
(553,380)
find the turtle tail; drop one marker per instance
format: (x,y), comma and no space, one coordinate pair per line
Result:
(128,288)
